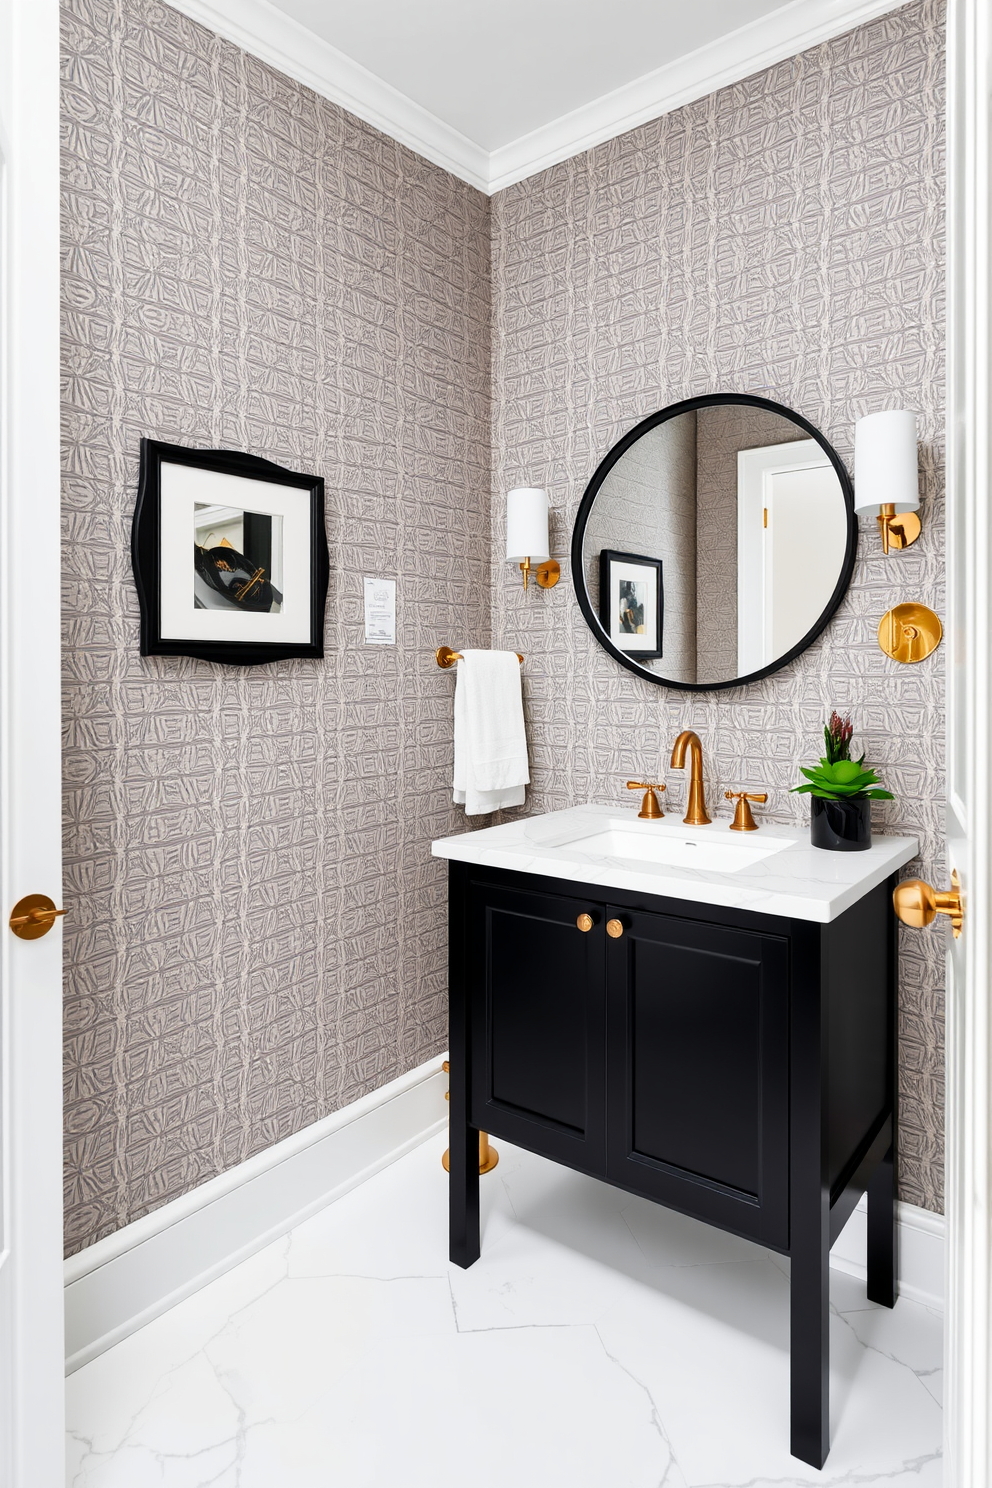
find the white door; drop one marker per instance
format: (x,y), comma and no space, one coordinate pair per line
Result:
(31,1351)
(968,1203)
(791,541)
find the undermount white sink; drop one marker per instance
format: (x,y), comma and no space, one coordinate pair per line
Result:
(689,848)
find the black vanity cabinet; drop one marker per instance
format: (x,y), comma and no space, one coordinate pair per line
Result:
(735,1066)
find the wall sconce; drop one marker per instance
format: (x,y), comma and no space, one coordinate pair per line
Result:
(886,475)
(527,541)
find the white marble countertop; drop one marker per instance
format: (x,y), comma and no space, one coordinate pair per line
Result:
(791,878)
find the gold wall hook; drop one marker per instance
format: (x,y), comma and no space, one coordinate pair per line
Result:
(33,916)
(917,904)
(909,632)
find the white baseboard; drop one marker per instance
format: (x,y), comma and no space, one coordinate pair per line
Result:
(117,1285)
(921,1251)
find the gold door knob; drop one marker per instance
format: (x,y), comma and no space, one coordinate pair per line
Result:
(614,928)
(917,904)
(584,922)
(33,916)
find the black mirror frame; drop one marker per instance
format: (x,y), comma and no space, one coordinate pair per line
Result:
(689,405)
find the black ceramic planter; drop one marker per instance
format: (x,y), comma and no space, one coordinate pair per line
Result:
(841,826)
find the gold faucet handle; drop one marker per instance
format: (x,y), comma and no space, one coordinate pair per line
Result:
(650,806)
(743,817)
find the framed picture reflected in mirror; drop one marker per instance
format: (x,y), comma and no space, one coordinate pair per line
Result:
(631,602)
(230,556)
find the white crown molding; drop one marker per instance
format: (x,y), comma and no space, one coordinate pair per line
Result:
(730,58)
(259,28)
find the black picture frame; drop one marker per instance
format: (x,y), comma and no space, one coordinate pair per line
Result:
(687,405)
(653,575)
(147,555)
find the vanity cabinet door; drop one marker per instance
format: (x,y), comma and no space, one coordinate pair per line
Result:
(536,991)
(698,1082)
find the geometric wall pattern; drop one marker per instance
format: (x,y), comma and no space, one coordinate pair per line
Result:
(785,237)
(256,931)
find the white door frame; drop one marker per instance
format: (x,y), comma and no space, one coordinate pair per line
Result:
(755,468)
(32,1387)
(967,1430)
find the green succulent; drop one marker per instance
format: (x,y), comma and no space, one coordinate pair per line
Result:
(839,780)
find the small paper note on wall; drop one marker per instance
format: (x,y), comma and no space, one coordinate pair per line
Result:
(380,612)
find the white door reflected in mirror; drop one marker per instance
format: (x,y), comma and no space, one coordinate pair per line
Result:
(791,541)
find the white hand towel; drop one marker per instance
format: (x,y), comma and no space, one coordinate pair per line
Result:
(490,743)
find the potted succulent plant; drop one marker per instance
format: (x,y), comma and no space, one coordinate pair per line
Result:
(842,791)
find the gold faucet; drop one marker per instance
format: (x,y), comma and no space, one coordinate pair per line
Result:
(695,815)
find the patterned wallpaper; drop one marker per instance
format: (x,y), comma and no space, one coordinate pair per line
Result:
(784,237)
(256,930)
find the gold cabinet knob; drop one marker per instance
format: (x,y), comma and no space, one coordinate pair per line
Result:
(584,922)
(614,928)
(33,916)
(917,904)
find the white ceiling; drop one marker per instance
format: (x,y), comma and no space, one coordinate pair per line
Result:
(495,70)
(496,90)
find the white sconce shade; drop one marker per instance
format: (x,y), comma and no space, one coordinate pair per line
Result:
(527,525)
(885,463)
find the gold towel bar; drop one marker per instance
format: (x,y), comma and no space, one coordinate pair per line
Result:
(446,657)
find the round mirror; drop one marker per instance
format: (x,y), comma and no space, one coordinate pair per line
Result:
(714,542)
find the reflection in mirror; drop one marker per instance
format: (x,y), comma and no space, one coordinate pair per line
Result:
(745,517)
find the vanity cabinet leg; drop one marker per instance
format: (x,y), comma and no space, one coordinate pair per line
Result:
(463,1193)
(882,1233)
(810,1349)
(463,1140)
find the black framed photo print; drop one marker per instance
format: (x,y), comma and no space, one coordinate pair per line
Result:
(230,556)
(631,602)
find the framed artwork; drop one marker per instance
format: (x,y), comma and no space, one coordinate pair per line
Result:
(230,556)
(631,602)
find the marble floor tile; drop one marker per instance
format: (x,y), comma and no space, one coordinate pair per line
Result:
(600,1342)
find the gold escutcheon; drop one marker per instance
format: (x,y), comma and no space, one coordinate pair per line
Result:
(909,633)
(33,916)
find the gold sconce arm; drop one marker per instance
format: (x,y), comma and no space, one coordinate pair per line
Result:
(547,572)
(898,531)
